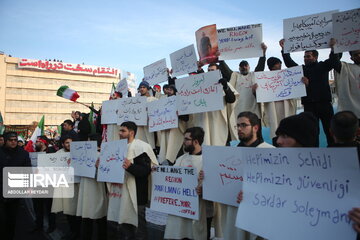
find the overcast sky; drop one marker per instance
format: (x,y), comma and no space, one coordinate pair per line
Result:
(132,34)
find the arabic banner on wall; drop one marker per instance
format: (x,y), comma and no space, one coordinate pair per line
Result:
(67,67)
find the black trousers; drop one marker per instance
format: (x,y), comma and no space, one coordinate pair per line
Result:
(8,214)
(323,111)
(42,208)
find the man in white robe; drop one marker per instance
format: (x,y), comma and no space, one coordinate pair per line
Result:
(179,227)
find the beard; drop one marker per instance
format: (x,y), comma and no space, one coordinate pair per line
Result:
(247,138)
(190,149)
(37,148)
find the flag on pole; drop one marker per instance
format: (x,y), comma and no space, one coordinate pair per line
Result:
(39,130)
(68,93)
(2,127)
(113,90)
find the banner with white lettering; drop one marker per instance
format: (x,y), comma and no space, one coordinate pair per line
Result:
(162,114)
(308,32)
(184,61)
(299,193)
(223,174)
(111,157)
(280,84)
(67,67)
(109,111)
(199,93)
(122,87)
(240,42)
(346,27)
(156,72)
(132,109)
(83,158)
(174,191)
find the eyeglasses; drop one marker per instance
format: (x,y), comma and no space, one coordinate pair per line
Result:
(187,139)
(12,139)
(242,125)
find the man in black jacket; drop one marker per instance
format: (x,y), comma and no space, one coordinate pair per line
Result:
(10,156)
(318,95)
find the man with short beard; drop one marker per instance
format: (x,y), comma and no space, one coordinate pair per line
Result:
(179,227)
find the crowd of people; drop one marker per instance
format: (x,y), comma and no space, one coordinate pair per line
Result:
(241,119)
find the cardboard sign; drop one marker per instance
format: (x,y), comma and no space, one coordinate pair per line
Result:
(156,72)
(280,85)
(112,156)
(308,32)
(240,42)
(34,158)
(83,158)
(207,44)
(174,191)
(184,61)
(199,93)
(132,109)
(61,159)
(109,111)
(162,114)
(122,87)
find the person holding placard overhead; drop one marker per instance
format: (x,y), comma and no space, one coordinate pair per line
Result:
(185,228)
(243,82)
(318,95)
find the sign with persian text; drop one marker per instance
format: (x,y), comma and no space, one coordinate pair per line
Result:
(132,109)
(162,114)
(184,61)
(83,158)
(156,72)
(109,111)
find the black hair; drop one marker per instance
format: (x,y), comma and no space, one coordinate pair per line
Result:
(130,125)
(254,120)
(344,125)
(315,53)
(69,122)
(196,133)
(213,64)
(66,137)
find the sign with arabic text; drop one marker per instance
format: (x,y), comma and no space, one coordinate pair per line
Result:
(156,72)
(184,61)
(109,111)
(83,158)
(162,114)
(132,109)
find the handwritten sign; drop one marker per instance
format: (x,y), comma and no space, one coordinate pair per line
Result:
(61,159)
(347,30)
(240,42)
(162,114)
(115,196)
(132,109)
(174,191)
(122,87)
(308,32)
(112,156)
(83,157)
(156,72)
(207,44)
(223,174)
(184,61)
(304,193)
(280,85)
(67,67)
(199,93)
(155,217)
(109,111)
(34,158)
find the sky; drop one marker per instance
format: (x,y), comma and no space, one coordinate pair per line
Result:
(132,34)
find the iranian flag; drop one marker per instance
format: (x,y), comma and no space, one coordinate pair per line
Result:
(68,93)
(39,130)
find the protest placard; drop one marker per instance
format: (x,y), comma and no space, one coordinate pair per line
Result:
(223,174)
(109,111)
(199,93)
(156,72)
(308,32)
(174,191)
(280,85)
(240,42)
(111,157)
(207,44)
(162,114)
(122,87)
(132,109)
(155,217)
(34,158)
(61,159)
(183,61)
(83,158)
(346,27)
(299,193)
(115,196)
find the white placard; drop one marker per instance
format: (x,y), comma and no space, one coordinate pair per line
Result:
(132,109)
(109,111)
(60,159)
(223,174)
(240,42)
(346,27)
(162,114)
(155,217)
(199,93)
(34,158)
(308,32)
(280,85)
(184,61)
(299,193)
(156,72)
(174,191)
(122,87)
(111,157)
(83,158)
